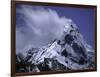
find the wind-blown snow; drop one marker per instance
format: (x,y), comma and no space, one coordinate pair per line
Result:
(37,26)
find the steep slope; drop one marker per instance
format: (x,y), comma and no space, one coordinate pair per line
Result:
(70,52)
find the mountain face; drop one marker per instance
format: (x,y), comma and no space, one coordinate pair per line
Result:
(70,52)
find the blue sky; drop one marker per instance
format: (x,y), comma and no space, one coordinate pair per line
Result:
(84,18)
(27,16)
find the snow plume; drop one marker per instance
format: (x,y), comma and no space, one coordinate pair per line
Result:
(37,26)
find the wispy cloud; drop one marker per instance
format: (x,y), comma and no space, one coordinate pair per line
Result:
(37,26)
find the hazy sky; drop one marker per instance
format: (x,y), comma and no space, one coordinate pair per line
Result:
(38,25)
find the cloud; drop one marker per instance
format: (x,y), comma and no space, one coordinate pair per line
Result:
(37,26)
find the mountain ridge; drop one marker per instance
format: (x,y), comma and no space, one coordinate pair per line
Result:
(70,52)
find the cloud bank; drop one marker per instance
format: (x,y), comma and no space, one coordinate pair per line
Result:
(37,26)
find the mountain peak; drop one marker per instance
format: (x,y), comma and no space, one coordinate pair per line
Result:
(70,52)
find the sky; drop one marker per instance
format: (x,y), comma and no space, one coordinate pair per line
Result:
(38,25)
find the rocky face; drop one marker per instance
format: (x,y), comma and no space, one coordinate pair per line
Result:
(70,52)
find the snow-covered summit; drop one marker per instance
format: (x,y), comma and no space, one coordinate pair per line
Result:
(70,52)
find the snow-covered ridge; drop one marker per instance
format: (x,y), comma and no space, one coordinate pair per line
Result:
(70,52)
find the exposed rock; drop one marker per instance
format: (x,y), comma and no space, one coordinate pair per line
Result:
(70,52)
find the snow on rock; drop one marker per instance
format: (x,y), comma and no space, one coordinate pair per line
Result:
(70,52)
